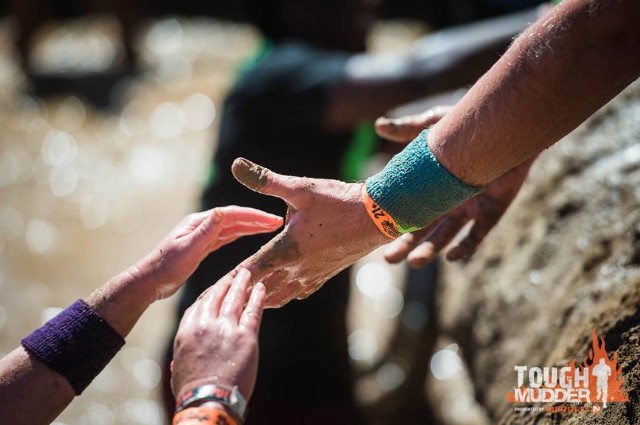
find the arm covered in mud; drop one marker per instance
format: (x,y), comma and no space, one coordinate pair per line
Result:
(57,361)
(326,230)
(555,75)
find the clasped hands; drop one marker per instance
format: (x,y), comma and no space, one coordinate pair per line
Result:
(327,228)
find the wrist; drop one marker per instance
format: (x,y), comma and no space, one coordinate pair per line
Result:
(206,414)
(413,190)
(123,299)
(368,229)
(77,344)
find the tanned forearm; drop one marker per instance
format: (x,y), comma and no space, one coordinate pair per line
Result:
(556,74)
(122,301)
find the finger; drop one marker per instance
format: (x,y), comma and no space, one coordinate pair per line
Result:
(470,243)
(405,129)
(234,301)
(234,215)
(191,222)
(263,180)
(187,317)
(441,236)
(210,224)
(210,301)
(234,222)
(265,265)
(252,314)
(239,230)
(398,250)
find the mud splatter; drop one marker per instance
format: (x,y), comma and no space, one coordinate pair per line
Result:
(280,250)
(250,174)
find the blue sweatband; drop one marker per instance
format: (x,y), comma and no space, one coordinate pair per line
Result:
(415,189)
(77,344)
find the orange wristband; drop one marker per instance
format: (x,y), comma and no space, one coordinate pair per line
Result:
(383,221)
(203,416)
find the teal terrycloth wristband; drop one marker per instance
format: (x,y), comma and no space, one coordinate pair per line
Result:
(415,189)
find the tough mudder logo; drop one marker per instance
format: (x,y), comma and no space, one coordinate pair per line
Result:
(589,386)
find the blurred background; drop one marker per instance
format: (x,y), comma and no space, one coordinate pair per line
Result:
(109,113)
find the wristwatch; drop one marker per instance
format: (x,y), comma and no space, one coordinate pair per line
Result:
(229,397)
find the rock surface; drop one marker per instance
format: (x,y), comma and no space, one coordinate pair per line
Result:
(564,260)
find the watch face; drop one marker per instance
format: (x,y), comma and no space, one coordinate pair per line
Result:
(230,397)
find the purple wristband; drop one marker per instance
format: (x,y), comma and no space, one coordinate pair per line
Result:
(77,344)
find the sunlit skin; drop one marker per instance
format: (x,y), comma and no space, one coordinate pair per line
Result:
(25,381)
(485,210)
(560,71)
(217,341)
(290,274)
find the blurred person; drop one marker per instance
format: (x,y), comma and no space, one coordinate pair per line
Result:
(59,360)
(296,107)
(32,15)
(560,71)
(97,83)
(215,360)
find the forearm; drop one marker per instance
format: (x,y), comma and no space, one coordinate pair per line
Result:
(26,381)
(30,392)
(559,72)
(122,301)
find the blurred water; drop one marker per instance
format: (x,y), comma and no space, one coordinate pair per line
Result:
(84,193)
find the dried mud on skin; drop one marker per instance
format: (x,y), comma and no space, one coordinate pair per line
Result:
(564,260)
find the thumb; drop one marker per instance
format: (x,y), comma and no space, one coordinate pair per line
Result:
(405,129)
(262,180)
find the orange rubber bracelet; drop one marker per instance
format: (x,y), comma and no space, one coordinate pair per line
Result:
(383,221)
(203,416)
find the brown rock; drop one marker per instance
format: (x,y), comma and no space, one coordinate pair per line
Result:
(564,260)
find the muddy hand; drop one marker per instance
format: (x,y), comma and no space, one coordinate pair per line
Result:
(327,229)
(485,210)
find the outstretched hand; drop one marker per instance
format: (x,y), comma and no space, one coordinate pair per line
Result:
(178,255)
(327,229)
(485,209)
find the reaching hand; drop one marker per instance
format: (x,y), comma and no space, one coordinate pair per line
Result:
(179,254)
(485,209)
(217,341)
(327,229)
(405,129)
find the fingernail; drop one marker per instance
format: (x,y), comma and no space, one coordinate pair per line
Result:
(391,123)
(249,174)
(276,220)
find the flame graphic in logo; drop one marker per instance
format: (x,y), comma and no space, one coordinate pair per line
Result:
(597,358)
(598,351)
